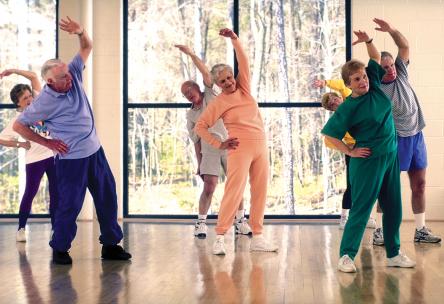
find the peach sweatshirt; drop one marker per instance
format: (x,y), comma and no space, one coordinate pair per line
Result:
(238,110)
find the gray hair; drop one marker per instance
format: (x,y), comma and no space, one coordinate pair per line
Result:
(217,69)
(48,65)
(385,54)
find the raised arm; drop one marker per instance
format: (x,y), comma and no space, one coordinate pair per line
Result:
(372,51)
(399,39)
(31,76)
(242,60)
(334,84)
(72,27)
(200,65)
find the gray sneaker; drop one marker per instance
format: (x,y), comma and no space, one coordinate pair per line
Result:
(378,237)
(424,235)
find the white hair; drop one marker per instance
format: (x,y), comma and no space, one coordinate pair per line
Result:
(48,65)
(217,69)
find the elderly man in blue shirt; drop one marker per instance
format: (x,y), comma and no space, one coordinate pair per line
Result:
(80,161)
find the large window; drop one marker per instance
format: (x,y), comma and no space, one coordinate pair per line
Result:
(290,43)
(28,38)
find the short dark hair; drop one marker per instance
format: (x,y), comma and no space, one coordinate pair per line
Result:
(386,54)
(17,91)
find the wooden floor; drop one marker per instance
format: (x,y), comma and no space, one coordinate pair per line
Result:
(170,266)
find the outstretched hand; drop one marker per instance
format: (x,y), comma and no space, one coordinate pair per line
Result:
(70,26)
(361,37)
(228,33)
(184,49)
(6,73)
(319,83)
(229,144)
(383,25)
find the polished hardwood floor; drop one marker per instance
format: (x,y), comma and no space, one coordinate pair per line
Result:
(170,266)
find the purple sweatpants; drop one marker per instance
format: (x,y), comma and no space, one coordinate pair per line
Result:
(34,174)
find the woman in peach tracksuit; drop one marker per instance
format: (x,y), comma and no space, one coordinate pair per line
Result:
(246,145)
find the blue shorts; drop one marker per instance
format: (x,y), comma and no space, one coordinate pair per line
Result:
(412,152)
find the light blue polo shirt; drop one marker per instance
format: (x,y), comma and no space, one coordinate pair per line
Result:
(68,116)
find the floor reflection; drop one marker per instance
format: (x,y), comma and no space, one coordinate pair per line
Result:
(235,276)
(29,284)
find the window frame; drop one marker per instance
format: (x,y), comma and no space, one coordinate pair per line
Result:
(128,106)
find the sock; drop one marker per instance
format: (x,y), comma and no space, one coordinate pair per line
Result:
(344,213)
(257,236)
(202,217)
(378,220)
(420,220)
(220,237)
(240,214)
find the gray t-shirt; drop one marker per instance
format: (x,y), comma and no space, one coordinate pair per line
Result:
(218,130)
(407,112)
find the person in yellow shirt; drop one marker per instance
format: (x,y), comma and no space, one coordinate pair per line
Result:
(331,101)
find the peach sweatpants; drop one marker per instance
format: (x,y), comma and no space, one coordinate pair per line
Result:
(250,158)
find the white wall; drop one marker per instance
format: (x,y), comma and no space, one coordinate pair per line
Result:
(422,23)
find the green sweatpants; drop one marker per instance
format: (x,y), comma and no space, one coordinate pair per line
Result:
(371,179)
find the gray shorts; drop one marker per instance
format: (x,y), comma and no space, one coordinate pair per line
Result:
(212,160)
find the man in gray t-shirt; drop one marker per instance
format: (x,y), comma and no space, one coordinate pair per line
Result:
(409,122)
(209,159)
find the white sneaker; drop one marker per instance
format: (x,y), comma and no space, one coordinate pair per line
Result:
(200,229)
(219,246)
(342,222)
(21,235)
(258,243)
(401,260)
(371,224)
(241,227)
(346,264)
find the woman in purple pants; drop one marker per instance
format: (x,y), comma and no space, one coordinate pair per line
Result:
(39,159)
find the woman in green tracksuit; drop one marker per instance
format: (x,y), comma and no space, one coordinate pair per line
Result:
(374,167)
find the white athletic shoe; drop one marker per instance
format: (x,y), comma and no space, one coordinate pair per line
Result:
(241,227)
(342,222)
(219,246)
(346,264)
(258,243)
(371,224)
(21,235)
(401,260)
(200,229)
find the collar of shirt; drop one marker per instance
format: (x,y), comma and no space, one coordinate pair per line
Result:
(53,93)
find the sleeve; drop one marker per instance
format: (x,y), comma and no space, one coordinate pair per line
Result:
(206,120)
(374,73)
(339,85)
(36,111)
(338,124)
(349,140)
(8,133)
(328,144)
(209,95)
(401,67)
(190,127)
(76,66)
(243,77)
